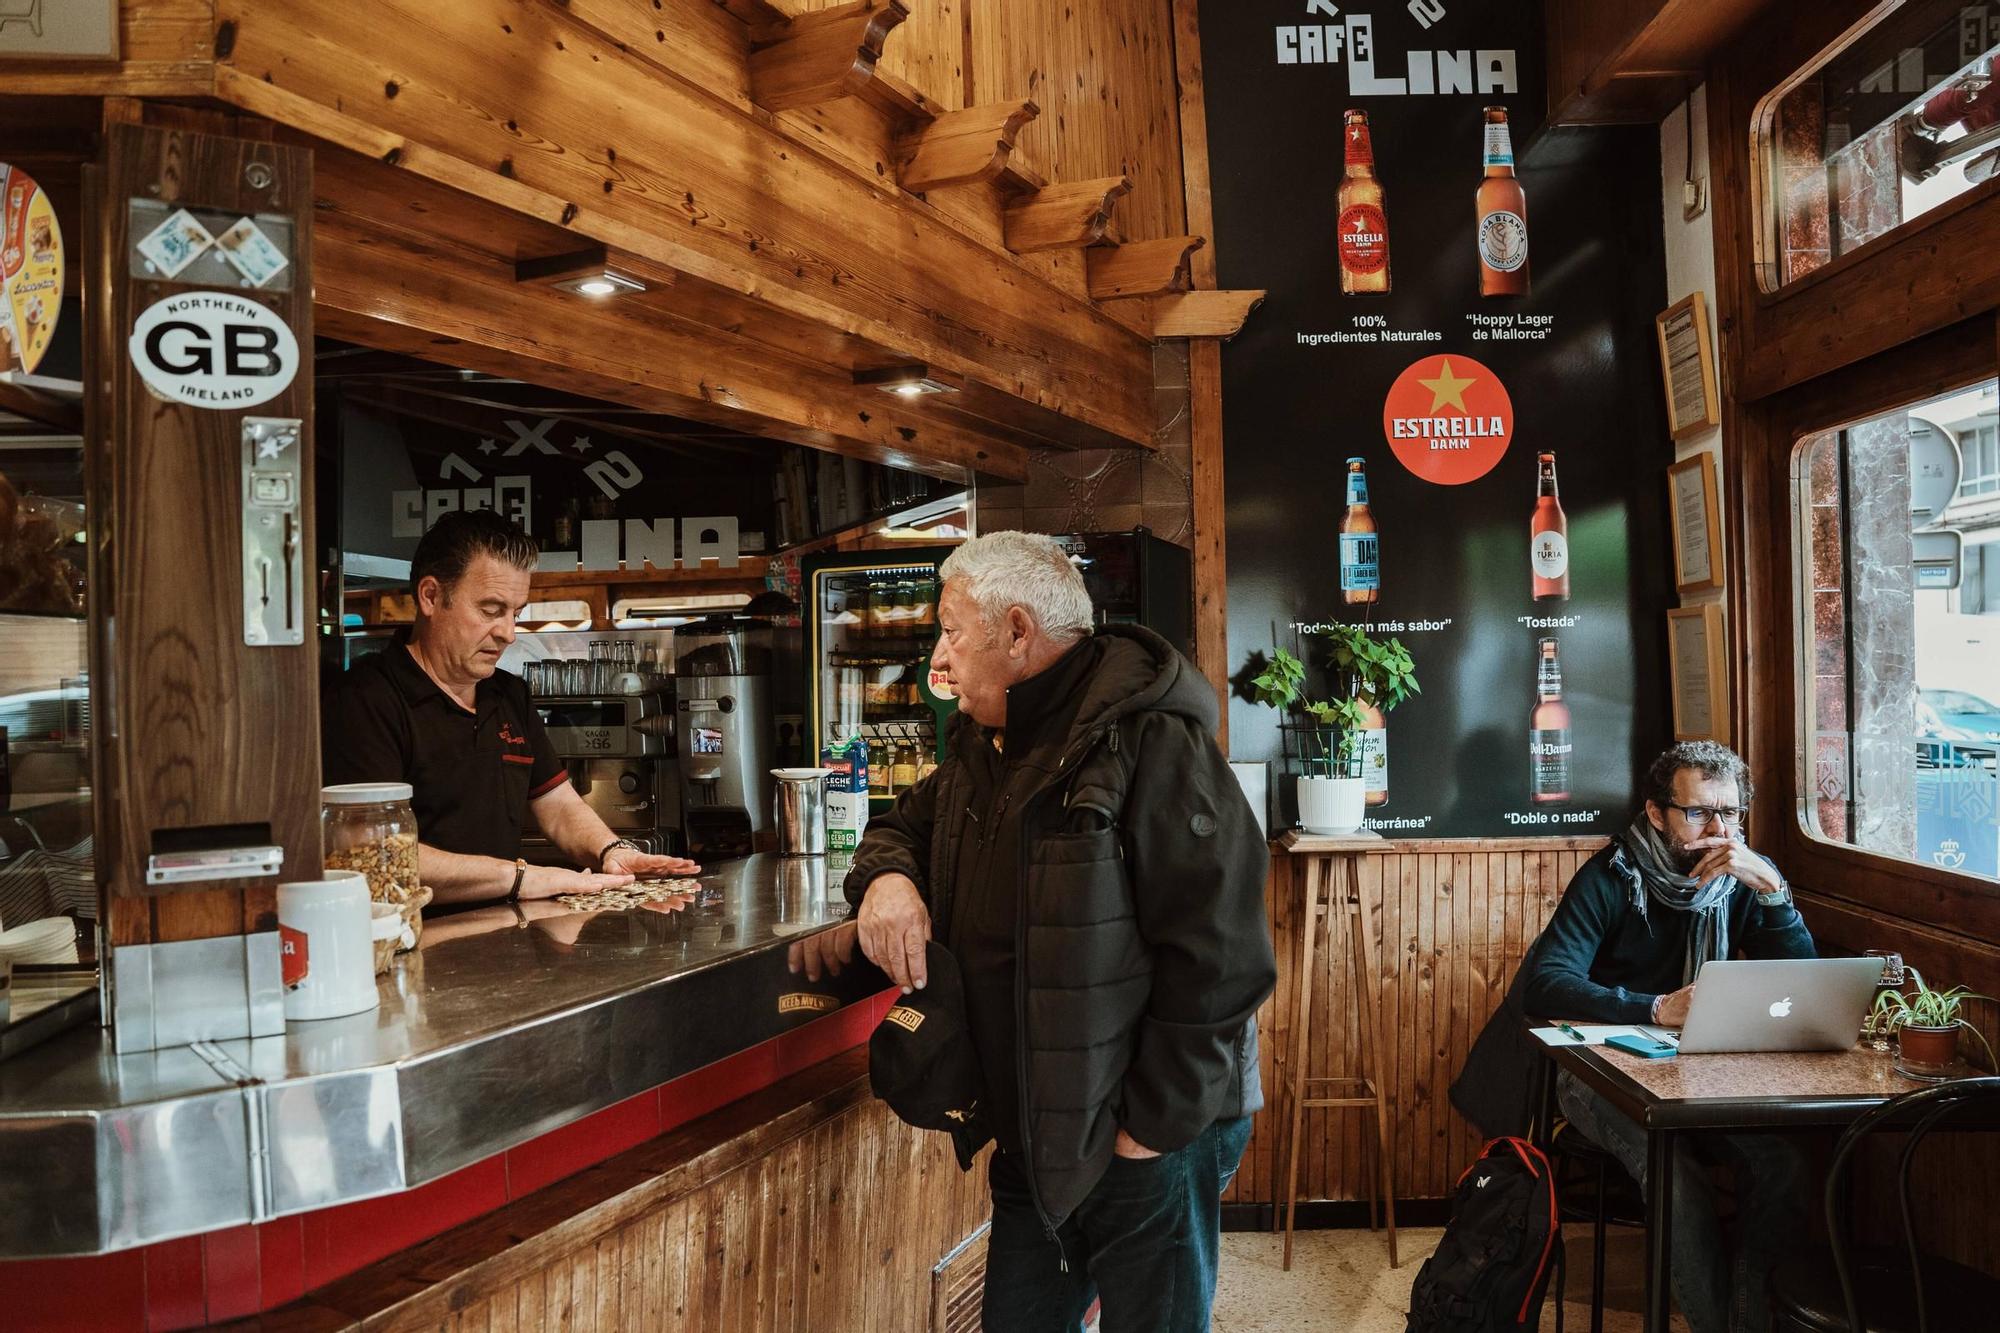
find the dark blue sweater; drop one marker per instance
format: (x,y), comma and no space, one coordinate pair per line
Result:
(1599,959)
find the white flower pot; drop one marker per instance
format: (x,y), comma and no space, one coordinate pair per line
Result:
(1332,805)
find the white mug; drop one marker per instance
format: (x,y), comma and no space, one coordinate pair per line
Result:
(325,938)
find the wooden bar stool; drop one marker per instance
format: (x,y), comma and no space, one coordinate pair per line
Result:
(1364,1092)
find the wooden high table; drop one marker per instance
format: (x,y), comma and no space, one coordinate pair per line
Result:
(1364,1089)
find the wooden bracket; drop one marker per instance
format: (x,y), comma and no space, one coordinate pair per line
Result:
(1141,268)
(821,56)
(961,147)
(1205,314)
(1065,217)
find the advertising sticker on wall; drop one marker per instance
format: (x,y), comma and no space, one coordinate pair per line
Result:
(31,271)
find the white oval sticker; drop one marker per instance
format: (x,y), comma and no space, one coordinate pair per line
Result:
(213,350)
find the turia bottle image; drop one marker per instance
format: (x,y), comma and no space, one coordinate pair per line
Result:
(1548,536)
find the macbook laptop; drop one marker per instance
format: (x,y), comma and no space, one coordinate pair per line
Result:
(1780,1004)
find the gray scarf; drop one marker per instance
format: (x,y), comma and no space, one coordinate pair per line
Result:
(1647,864)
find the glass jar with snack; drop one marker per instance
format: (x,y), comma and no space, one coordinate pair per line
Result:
(370,827)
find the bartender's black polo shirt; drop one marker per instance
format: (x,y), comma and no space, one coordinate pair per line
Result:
(473,773)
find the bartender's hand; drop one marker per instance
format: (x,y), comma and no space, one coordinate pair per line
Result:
(895,925)
(1673,1007)
(645,865)
(826,950)
(1729,854)
(553,881)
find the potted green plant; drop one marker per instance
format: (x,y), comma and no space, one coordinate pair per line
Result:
(1341,747)
(1927,1023)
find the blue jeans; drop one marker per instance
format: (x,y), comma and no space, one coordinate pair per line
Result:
(1717,1293)
(1146,1239)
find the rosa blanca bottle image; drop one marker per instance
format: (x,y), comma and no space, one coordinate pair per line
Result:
(1548,536)
(1502,206)
(1549,740)
(1363,232)
(1360,550)
(1374,746)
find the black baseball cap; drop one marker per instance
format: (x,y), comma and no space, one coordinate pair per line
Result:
(921,1060)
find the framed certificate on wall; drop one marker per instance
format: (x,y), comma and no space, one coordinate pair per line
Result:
(1697,522)
(1687,365)
(1696,654)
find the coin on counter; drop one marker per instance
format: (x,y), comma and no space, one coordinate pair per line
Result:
(639,893)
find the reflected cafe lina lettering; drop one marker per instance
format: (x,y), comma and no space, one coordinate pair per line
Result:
(607,543)
(1448,432)
(1425,73)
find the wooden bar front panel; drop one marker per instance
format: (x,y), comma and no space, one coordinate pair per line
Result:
(1455,920)
(192,727)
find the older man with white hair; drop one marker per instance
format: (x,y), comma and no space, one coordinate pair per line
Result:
(1088,860)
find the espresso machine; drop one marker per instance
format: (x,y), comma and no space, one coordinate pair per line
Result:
(725,732)
(619,749)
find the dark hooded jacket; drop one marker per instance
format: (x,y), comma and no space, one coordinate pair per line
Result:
(1142,949)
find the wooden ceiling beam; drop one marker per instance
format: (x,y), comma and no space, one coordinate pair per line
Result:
(388,290)
(820,56)
(961,147)
(1141,268)
(1204,314)
(1065,217)
(552,117)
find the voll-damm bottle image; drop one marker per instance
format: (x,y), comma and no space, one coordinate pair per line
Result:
(1549,740)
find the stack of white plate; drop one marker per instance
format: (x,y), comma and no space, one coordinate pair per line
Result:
(50,940)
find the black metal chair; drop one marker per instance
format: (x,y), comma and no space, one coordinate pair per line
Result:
(1820,1290)
(1568,1147)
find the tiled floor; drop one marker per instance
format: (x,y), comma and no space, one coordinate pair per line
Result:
(1341,1282)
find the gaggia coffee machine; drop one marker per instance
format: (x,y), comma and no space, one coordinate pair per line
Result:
(620,752)
(725,732)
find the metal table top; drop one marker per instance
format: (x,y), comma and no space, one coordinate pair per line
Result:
(502,1026)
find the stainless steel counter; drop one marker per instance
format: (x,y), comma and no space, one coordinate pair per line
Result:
(497,1030)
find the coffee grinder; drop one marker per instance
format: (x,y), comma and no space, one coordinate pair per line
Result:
(726,732)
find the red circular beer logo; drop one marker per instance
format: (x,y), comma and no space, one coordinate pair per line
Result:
(1448,419)
(1364,239)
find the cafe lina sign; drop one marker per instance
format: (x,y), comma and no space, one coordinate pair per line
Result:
(31,271)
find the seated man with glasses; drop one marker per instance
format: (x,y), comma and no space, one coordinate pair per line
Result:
(1674,890)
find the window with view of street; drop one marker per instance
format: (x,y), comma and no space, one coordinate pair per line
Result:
(1900,599)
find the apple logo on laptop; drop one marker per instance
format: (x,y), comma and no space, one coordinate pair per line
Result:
(1782,1008)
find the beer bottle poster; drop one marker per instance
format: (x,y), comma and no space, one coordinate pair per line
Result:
(1457,333)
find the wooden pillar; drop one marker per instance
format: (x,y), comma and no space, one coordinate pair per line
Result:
(205,731)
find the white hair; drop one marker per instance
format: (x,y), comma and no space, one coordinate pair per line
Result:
(1025,569)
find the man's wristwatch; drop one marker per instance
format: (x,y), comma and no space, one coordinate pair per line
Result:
(613,846)
(520,873)
(1781,897)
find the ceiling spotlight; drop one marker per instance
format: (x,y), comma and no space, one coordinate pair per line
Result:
(582,272)
(913,381)
(601,284)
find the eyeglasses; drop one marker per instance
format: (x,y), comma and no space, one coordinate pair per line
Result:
(1700,815)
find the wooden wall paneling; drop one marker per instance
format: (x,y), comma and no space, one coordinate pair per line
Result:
(619,154)
(928,50)
(193,728)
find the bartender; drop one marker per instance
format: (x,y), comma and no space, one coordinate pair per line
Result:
(437,712)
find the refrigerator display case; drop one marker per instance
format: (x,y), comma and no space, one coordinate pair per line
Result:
(871,622)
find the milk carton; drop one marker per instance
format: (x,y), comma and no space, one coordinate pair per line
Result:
(846,794)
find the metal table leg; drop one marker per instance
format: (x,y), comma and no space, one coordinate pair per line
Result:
(1659,1227)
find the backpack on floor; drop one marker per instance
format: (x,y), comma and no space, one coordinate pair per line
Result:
(1492,1268)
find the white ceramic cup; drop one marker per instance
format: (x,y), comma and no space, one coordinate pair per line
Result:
(326,940)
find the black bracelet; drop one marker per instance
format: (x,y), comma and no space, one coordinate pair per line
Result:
(520,873)
(611,846)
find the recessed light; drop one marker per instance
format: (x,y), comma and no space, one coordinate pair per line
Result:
(600,284)
(912,381)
